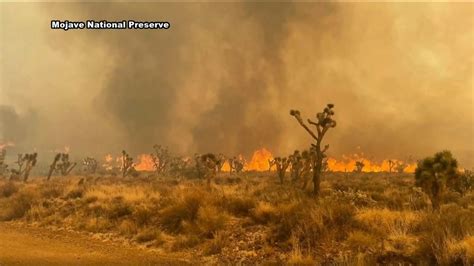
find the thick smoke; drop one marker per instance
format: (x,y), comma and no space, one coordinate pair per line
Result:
(224,77)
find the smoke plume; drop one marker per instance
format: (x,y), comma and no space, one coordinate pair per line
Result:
(224,77)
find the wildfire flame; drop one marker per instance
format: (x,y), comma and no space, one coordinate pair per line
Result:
(6,145)
(259,161)
(145,163)
(348,164)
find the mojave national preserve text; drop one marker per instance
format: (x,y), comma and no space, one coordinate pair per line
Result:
(104,24)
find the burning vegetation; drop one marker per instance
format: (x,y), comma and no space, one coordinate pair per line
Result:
(390,211)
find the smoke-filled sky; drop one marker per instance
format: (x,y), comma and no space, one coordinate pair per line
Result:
(224,77)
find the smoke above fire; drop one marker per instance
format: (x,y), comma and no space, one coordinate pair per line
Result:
(399,74)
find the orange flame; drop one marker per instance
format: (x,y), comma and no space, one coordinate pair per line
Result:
(145,163)
(226,167)
(348,164)
(259,161)
(7,144)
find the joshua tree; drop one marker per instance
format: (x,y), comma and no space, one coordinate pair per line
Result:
(281,166)
(206,166)
(30,162)
(161,158)
(323,124)
(433,174)
(391,165)
(296,163)
(65,166)
(90,165)
(61,164)
(221,161)
(236,165)
(271,163)
(325,167)
(3,165)
(308,160)
(359,167)
(127,164)
(53,166)
(400,167)
(463,182)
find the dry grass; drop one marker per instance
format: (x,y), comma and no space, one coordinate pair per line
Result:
(250,218)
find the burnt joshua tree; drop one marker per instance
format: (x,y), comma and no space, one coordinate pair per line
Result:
(296,163)
(3,165)
(308,160)
(271,163)
(61,164)
(90,165)
(391,165)
(161,158)
(359,167)
(206,166)
(236,165)
(434,174)
(30,162)
(400,167)
(323,124)
(281,166)
(127,164)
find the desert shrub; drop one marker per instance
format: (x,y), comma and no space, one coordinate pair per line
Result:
(98,225)
(143,215)
(338,214)
(362,241)
(385,221)
(184,209)
(216,245)
(53,190)
(17,206)
(8,189)
(239,206)
(298,258)
(186,242)
(128,227)
(451,197)
(264,213)
(210,220)
(147,235)
(75,193)
(445,236)
(118,208)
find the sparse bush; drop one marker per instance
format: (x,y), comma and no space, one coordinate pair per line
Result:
(184,209)
(8,189)
(186,242)
(210,221)
(16,207)
(239,206)
(118,209)
(49,191)
(143,215)
(75,193)
(147,235)
(216,245)
(128,227)
(361,241)
(264,213)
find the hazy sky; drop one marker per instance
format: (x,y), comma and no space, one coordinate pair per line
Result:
(225,76)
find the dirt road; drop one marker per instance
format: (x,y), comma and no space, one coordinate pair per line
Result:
(20,245)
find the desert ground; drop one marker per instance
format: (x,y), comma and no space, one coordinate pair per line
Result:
(241,218)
